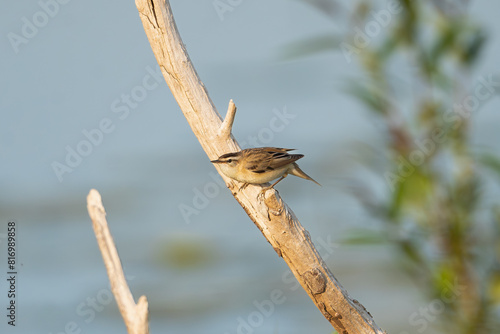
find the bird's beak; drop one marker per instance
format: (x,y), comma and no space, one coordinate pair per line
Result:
(215,161)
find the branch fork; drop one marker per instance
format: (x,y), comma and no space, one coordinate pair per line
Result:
(134,315)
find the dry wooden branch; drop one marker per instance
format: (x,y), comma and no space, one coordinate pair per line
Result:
(134,316)
(271,215)
(227,124)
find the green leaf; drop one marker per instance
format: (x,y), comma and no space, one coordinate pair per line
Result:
(491,161)
(472,47)
(370,95)
(310,46)
(412,191)
(364,237)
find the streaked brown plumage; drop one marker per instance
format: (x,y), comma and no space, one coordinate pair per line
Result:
(261,165)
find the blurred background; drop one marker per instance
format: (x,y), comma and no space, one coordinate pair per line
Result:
(394,104)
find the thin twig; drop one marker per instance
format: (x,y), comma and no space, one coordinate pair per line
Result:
(135,316)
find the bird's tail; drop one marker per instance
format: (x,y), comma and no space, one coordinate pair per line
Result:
(300,173)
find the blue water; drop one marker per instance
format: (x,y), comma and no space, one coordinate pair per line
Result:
(204,272)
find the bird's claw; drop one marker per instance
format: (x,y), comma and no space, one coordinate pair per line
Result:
(243,186)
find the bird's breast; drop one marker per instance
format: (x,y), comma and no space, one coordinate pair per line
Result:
(248,176)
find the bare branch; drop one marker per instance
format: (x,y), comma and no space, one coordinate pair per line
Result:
(135,316)
(272,216)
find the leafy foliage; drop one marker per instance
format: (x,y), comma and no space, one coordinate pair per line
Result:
(436,212)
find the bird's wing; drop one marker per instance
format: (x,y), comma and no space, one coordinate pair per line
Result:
(271,159)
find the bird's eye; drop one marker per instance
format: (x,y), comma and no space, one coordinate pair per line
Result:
(229,160)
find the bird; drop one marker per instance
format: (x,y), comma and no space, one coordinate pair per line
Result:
(261,165)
